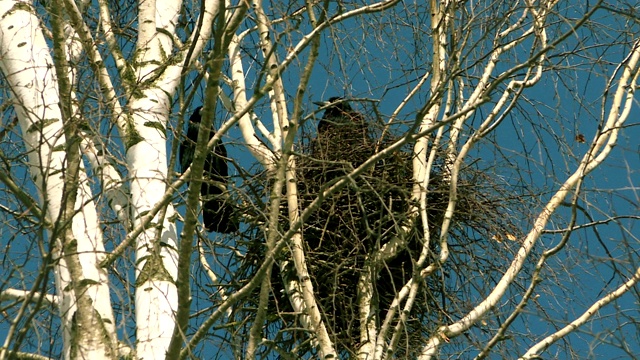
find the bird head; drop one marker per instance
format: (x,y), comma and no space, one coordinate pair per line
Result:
(335,106)
(195,116)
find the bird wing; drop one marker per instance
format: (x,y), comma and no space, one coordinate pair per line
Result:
(186,154)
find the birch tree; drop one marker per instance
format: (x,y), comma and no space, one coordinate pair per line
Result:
(488,208)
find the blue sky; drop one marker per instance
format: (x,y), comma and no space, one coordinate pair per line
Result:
(530,153)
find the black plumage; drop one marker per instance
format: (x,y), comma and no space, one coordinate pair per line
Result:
(342,134)
(218,212)
(339,116)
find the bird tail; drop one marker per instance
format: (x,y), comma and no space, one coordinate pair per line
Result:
(219,216)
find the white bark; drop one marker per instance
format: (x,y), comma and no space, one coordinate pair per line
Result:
(147,92)
(21,295)
(156,297)
(622,103)
(25,61)
(535,351)
(257,148)
(156,271)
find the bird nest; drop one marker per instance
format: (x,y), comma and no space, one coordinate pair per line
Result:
(356,222)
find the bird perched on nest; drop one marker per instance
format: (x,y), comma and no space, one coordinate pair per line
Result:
(340,115)
(217,212)
(340,131)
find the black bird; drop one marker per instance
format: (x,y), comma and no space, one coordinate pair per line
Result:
(341,128)
(342,136)
(339,114)
(217,212)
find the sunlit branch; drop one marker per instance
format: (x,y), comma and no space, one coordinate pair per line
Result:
(115,50)
(591,224)
(97,62)
(112,184)
(21,295)
(257,148)
(211,274)
(535,279)
(535,351)
(600,150)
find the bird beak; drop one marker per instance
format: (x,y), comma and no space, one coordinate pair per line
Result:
(321,103)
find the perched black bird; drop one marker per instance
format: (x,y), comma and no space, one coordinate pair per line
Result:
(339,114)
(340,131)
(217,212)
(343,139)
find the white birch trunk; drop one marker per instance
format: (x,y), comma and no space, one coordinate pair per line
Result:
(156,297)
(26,62)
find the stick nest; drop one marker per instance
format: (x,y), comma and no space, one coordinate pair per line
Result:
(354,223)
